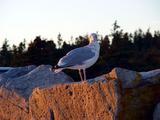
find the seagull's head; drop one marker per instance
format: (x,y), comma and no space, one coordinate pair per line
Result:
(93,38)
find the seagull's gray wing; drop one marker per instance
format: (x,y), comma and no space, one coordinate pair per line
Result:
(76,57)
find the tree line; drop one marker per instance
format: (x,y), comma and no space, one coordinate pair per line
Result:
(138,51)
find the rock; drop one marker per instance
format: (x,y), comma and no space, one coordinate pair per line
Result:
(84,100)
(12,107)
(40,77)
(128,78)
(138,94)
(133,79)
(139,103)
(150,74)
(156,114)
(152,77)
(93,99)
(6,77)
(18,71)
(120,95)
(4,69)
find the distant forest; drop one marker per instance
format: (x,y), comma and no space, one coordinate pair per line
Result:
(138,51)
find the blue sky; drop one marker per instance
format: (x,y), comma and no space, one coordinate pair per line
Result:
(21,19)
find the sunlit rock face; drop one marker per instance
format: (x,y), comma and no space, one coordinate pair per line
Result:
(40,94)
(96,100)
(12,106)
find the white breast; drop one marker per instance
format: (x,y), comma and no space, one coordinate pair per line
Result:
(95,48)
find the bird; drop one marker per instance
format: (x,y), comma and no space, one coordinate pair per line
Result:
(80,58)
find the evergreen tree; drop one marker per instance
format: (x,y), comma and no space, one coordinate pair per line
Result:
(5,54)
(41,51)
(21,47)
(60,40)
(116,37)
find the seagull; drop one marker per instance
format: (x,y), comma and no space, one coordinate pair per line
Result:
(80,58)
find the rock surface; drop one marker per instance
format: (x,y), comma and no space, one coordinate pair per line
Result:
(12,106)
(24,79)
(138,93)
(82,101)
(120,95)
(133,79)
(150,74)
(128,78)
(6,77)
(95,99)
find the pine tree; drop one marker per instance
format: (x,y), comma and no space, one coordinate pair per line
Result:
(5,54)
(60,40)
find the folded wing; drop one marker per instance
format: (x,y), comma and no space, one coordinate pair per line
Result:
(76,57)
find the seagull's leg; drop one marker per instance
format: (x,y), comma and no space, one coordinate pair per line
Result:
(80,74)
(84,73)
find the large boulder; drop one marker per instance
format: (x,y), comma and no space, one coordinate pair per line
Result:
(140,92)
(40,77)
(6,77)
(133,79)
(120,95)
(96,99)
(151,77)
(12,106)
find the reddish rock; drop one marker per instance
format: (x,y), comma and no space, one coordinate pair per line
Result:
(12,106)
(79,101)
(120,95)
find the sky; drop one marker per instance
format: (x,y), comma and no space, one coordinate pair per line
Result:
(27,19)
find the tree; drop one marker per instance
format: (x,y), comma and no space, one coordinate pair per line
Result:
(156,39)
(41,51)
(81,41)
(21,47)
(60,40)
(115,27)
(147,40)
(14,55)
(5,54)
(14,49)
(105,45)
(138,36)
(116,35)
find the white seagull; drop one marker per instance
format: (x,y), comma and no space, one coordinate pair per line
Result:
(80,58)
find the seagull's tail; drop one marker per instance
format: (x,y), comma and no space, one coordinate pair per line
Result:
(56,69)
